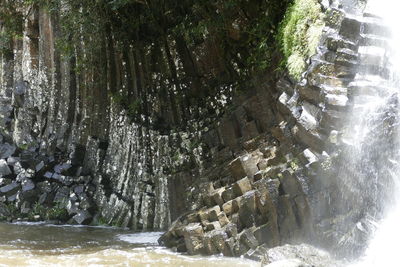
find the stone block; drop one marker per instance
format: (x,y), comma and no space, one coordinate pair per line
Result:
(240,248)
(4,169)
(229,247)
(350,28)
(217,196)
(219,238)
(42,198)
(288,228)
(192,218)
(247,237)
(31,196)
(277,159)
(228,208)
(228,131)
(6,150)
(267,234)
(208,200)
(265,205)
(250,130)
(231,230)
(242,186)
(236,221)
(310,93)
(228,194)
(213,213)
(10,189)
(27,185)
(312,139)
(307,157)
(11,161)
(205,190)
(82,217)
(72,207)
(262,165)
(209,226)
(236,204)
(258,176)
(243,166)
(268,151)
(62,194)
(248,209)
(222,219)
(208,244)
(39,166)
(203,215)
(303,213)
(193,235)
(290,184)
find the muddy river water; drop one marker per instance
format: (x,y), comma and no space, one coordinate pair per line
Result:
(52,245)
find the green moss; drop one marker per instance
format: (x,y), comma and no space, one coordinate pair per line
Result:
(299,34)
(23,146)
(295,164)
(58,212)
(100,221)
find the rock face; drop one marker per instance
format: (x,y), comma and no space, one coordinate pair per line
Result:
(224,180)
(26,194)
(279,191)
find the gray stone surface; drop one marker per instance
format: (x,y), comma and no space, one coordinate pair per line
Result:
(4,169)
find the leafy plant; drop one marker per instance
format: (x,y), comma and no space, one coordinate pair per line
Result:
(299,34)
(57,212)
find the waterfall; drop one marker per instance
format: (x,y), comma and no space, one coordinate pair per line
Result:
(372,137)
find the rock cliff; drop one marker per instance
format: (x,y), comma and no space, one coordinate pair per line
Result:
(177,133)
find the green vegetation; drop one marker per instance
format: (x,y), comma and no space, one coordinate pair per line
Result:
(26,146)
(13,210)
(57,212)
(295,164)
(164,58)
(156,56)
(100,221)
(37,209)
(299,34)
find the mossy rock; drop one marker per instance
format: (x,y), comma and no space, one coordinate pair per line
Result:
(299,34)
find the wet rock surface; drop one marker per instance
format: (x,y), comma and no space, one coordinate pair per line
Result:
(244,180)
(35,187)
(274,190)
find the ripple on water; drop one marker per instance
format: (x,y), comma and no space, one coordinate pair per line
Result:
(141,238)
(61,246)
(115,257)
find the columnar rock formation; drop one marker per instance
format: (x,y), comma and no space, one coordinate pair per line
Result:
(255,172)
(286,188)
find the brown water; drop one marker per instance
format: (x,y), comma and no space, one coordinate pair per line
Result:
(50,245)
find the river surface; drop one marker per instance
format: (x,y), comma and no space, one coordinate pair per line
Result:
(52,245)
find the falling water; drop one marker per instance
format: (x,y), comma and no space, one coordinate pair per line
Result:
(373,135)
